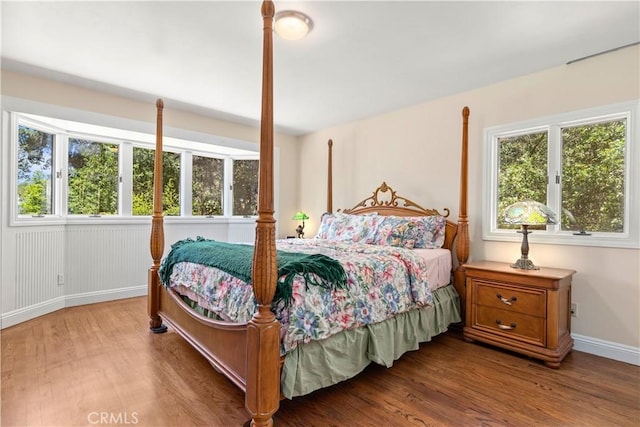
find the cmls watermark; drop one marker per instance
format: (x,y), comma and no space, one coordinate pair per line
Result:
(118,418)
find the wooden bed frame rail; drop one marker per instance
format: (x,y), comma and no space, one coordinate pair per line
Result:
(249,354)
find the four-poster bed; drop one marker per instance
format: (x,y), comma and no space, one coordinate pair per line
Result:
(250,353)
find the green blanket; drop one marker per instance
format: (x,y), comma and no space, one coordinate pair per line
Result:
(237,260)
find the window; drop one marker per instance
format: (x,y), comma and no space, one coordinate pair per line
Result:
(109,173)
(593,179)
(93,178)
(522,172)
(578,164)
(35,162)
(142,203)
(207,186)
(245,187)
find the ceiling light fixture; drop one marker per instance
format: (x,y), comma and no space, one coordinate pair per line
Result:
(292,25)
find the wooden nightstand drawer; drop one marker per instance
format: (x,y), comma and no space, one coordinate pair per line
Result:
(511,324)
(520,300)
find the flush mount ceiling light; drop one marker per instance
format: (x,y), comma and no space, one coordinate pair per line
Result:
(292,25)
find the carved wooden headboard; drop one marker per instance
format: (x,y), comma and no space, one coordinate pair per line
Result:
(456,234)
(391,204)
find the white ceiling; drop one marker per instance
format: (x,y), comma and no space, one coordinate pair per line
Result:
(362,58)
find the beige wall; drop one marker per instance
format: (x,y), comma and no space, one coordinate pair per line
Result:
(57,94)
(416,150)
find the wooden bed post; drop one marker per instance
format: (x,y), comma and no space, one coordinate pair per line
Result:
(462,241)
(262,397)
(156,243)
(330,177)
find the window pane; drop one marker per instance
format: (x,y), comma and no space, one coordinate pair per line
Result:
(93,178)
(207,180)
(142,203)
(35,186)
(593,177)
(522,171)
(245,187)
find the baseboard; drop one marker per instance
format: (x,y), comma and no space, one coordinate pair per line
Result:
(108,295)
(610,350)
(31,312)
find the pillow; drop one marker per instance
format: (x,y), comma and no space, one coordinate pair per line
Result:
(412,231)
(346,227)
(325,222)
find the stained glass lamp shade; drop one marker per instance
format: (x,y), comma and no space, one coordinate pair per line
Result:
(527,213)
(300,216)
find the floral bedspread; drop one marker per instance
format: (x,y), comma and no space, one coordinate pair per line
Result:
(382,281)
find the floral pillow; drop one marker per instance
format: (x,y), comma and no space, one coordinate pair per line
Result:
(345,227)
(325,223)
(412,232)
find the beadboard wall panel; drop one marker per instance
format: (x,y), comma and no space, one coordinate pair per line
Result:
(72,265)
(39,266)
(100,258)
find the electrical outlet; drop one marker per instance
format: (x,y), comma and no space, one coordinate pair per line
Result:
(60,279)
(574,309)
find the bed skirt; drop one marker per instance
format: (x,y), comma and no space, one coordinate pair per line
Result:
(320,364)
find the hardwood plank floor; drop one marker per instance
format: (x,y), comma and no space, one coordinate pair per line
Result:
(99,365)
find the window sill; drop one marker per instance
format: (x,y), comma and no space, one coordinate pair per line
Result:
(123,220)
(566,238)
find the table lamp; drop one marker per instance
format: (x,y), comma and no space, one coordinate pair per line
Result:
(300,216)
(528,213)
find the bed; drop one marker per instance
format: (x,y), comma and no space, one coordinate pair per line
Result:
(250,350)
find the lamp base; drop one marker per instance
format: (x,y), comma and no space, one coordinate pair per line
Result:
(524,264)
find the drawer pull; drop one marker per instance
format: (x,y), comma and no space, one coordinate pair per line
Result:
(506,301)
(505,327)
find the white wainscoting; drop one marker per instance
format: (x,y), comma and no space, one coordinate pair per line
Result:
(39,264)
(106,258)
(69,265)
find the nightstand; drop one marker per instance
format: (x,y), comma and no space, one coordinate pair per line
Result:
(526,311)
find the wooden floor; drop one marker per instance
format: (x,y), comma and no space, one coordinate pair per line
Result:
(99,365)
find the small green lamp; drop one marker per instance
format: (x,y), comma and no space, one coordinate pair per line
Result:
(300,216)
(526,213)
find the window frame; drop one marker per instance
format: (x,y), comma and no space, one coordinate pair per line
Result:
(58,202)
(99,139)
(62,134)
(188,182)
(181,186)
(629,238)
(229,186)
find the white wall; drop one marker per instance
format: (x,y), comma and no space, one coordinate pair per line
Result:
(98,262)
(416,150)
